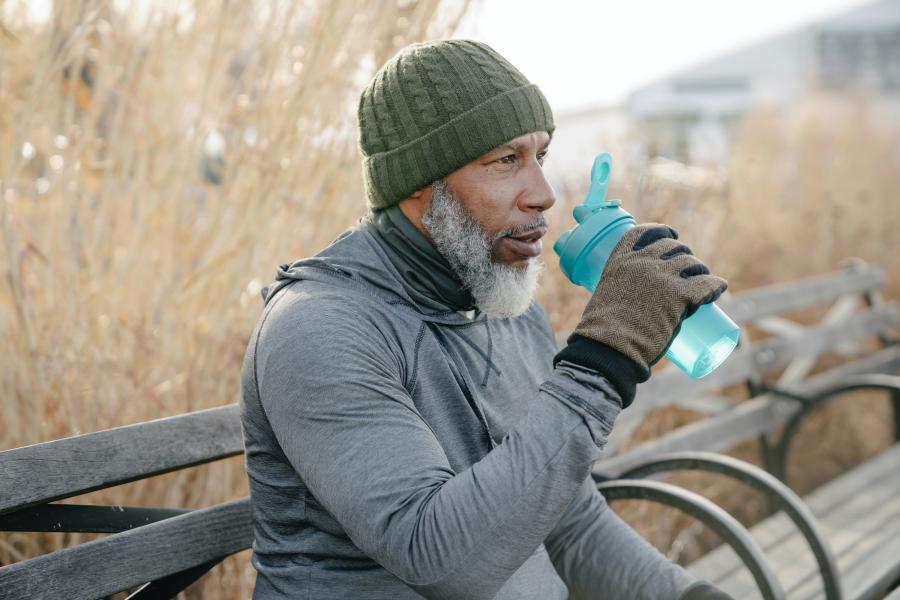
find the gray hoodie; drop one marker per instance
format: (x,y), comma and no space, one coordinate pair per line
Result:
(398,449)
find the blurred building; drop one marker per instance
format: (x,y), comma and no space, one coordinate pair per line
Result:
(691,116)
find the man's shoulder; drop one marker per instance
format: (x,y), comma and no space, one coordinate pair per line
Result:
(307,302)
(319,316)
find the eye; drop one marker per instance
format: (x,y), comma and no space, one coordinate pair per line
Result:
(507,160)
(542,155)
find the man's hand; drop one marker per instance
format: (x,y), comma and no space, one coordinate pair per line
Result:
(650,284)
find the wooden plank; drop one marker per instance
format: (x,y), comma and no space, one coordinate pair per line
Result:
(666,387)
(838,505)
(124,560)
(871,568)
(863,559)
(721,564)
(718,567)
(868,519)
(800,367)
(836,501)
(749,305)
(876,570)
(72,466)
(829,497)
(863,536)
(628,421)
(709,403)
(854,522)
(748,419)
(863,515)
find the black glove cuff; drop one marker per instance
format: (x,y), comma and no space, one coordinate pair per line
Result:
(622,372)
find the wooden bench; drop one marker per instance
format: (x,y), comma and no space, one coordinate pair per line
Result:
(172,547)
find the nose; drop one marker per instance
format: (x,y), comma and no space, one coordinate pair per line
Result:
(537,193)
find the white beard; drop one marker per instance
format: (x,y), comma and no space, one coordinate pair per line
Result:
(499,290)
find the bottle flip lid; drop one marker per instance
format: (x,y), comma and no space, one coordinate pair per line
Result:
(595,216)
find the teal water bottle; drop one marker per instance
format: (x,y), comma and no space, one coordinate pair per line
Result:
(706,338)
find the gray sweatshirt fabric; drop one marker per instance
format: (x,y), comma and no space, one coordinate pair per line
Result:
(397,449)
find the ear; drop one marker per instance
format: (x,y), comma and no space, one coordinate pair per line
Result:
(415,205)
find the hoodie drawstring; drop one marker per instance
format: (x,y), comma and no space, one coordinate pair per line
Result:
(489,363)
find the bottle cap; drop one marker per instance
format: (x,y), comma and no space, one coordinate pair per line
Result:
(597,217)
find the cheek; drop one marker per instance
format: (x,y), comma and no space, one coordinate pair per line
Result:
(488,215)
(493,213)
(491,203)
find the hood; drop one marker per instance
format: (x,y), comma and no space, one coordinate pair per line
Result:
(355,260)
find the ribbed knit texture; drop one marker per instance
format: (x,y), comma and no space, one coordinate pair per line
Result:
(622,372)
(436,106)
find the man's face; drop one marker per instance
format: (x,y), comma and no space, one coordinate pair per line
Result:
(506,192)
(486,220)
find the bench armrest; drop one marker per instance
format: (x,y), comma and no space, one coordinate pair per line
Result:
(779,493)
(705,511)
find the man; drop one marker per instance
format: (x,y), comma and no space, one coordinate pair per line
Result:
(408,430)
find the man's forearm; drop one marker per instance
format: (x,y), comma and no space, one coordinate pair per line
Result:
(513,498)
(596,553)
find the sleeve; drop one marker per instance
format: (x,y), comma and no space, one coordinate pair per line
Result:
(332,391)
(596,552)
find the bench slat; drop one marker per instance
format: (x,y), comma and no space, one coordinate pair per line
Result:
(849,518)
(125,560)
(748,419)
(749,305)
(77,465)
(872,566)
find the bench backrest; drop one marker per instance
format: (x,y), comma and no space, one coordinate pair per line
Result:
(147,544)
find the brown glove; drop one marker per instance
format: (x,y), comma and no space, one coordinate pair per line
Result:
(650,284)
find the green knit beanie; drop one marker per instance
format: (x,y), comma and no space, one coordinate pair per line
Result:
(436,106)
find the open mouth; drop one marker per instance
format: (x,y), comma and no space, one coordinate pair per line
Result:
(526,244)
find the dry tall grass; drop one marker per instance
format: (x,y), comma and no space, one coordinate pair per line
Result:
(156,163)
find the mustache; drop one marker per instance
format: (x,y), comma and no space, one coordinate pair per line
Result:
(539,223)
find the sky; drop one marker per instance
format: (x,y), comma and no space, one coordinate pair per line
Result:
(593,53)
